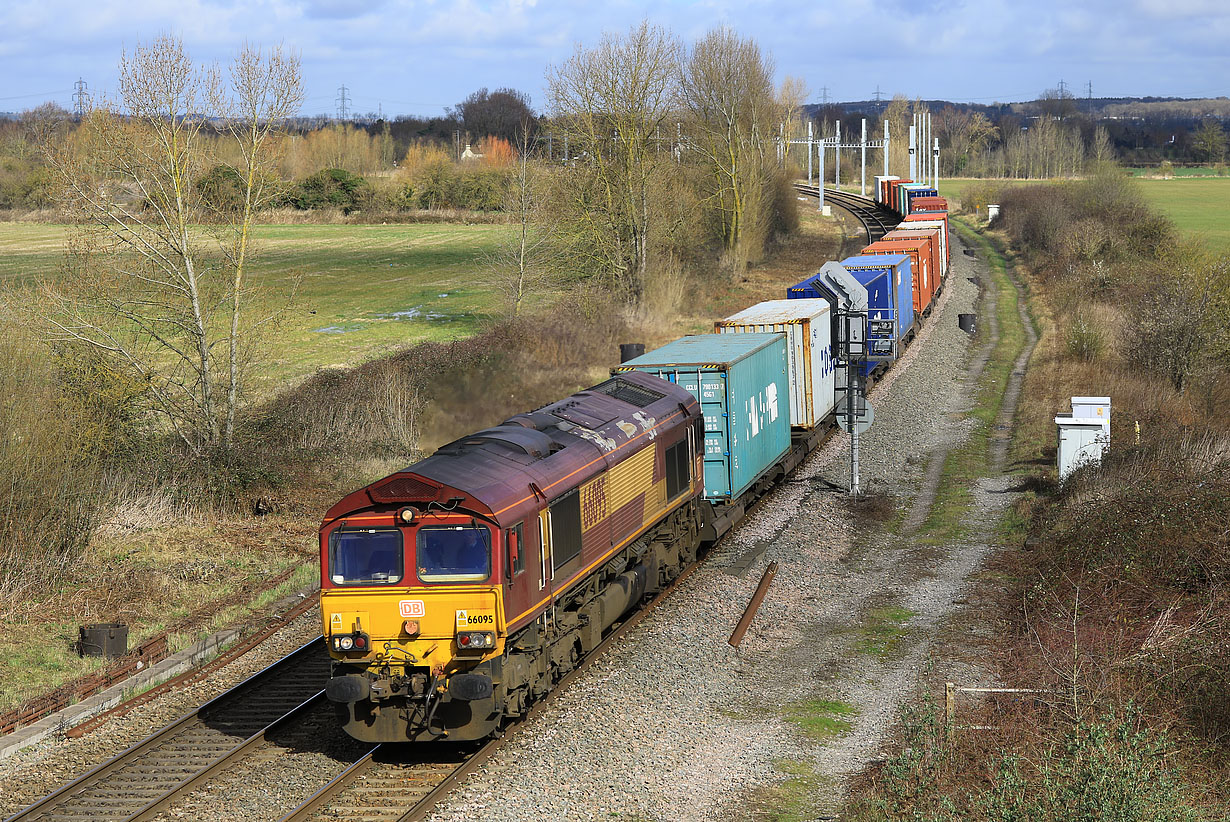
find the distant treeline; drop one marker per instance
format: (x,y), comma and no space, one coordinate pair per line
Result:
(997,139)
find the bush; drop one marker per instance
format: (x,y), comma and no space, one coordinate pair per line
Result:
(1085,340)
(51,477)
(222,189)
(332,188)
(441,183)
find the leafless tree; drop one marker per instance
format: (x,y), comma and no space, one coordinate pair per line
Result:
(609,103)
(727,87)
(265,90)
(152,289)
(526,265)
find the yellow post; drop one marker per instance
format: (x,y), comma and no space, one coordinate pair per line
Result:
(950,709)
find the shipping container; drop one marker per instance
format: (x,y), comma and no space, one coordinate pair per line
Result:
(929,204)
(890,192)
(889,283)
(915,191)
(914,222)
(881,188)
(807,325)
(920,263)
(935,248)
(740,381)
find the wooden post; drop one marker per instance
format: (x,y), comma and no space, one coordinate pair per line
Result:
(950,709)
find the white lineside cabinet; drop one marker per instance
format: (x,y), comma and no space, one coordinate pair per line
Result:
(1083,435)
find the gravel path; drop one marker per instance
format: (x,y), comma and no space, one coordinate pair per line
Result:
(674,723)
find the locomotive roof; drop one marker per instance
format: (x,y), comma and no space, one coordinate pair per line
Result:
(553,449)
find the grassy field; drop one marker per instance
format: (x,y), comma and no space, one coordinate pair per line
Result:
(349,292)
(1200,206)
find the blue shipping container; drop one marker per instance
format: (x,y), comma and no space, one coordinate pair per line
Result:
(888,279)
(740,381)
(915,190)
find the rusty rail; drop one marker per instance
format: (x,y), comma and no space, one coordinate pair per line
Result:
(198,672)
(749,613)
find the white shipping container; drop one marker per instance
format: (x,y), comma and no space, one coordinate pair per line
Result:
(808,328)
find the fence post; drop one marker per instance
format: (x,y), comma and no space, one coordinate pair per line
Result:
(950,709)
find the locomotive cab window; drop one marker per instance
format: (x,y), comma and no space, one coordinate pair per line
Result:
(516,550)
(453,553)
(366,556)
(678,469)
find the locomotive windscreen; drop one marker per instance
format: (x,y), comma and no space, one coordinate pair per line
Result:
(453,553)
(366,556)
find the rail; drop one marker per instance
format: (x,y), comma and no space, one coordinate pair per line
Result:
(161,767)
(875,219)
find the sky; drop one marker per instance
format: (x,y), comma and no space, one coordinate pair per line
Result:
(419,57)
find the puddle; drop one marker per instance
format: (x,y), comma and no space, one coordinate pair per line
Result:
(331,329)
(419,313)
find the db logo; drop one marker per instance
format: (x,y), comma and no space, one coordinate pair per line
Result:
(411,608)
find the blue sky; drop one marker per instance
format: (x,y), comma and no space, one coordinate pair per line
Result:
(419,56)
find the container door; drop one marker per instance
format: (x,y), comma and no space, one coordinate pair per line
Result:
(718,445)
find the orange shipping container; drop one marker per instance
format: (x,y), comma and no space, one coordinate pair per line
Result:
(919,252)
(935,238)
(914,222)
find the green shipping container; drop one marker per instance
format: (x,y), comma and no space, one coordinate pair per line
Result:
(740,381)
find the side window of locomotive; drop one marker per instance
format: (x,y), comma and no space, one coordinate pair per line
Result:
(565,529)
(677,468)
(453,553)
(366,556)
(516,550)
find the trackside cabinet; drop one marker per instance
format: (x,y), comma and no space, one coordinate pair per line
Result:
(741,383)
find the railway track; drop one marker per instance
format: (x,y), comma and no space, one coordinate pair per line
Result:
(876,221)
(145,779)
(399,786)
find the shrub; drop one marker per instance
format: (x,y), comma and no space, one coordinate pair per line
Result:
(1085,340)
(222,189)
(332,188)
(1108,769)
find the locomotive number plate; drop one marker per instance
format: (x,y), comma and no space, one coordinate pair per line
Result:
(465,619)
(411,608)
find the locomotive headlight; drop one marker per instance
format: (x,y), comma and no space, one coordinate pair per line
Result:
(346,643)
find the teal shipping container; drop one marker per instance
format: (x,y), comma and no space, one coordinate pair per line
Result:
(740,381)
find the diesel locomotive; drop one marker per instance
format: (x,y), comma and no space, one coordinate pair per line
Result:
(456,592)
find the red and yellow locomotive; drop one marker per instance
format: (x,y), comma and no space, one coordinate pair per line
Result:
(456,592)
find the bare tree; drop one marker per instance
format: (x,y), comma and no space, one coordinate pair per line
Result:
(265,91)
(727,87)
(1209,141)
(152,289)
(609,103)
(527,264)
(1182,322)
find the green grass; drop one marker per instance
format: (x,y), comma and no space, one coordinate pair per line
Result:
(1200,207)
(350,292)
(798,798)
(820,718)
(1178,171)
(882,631)
(963,466)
